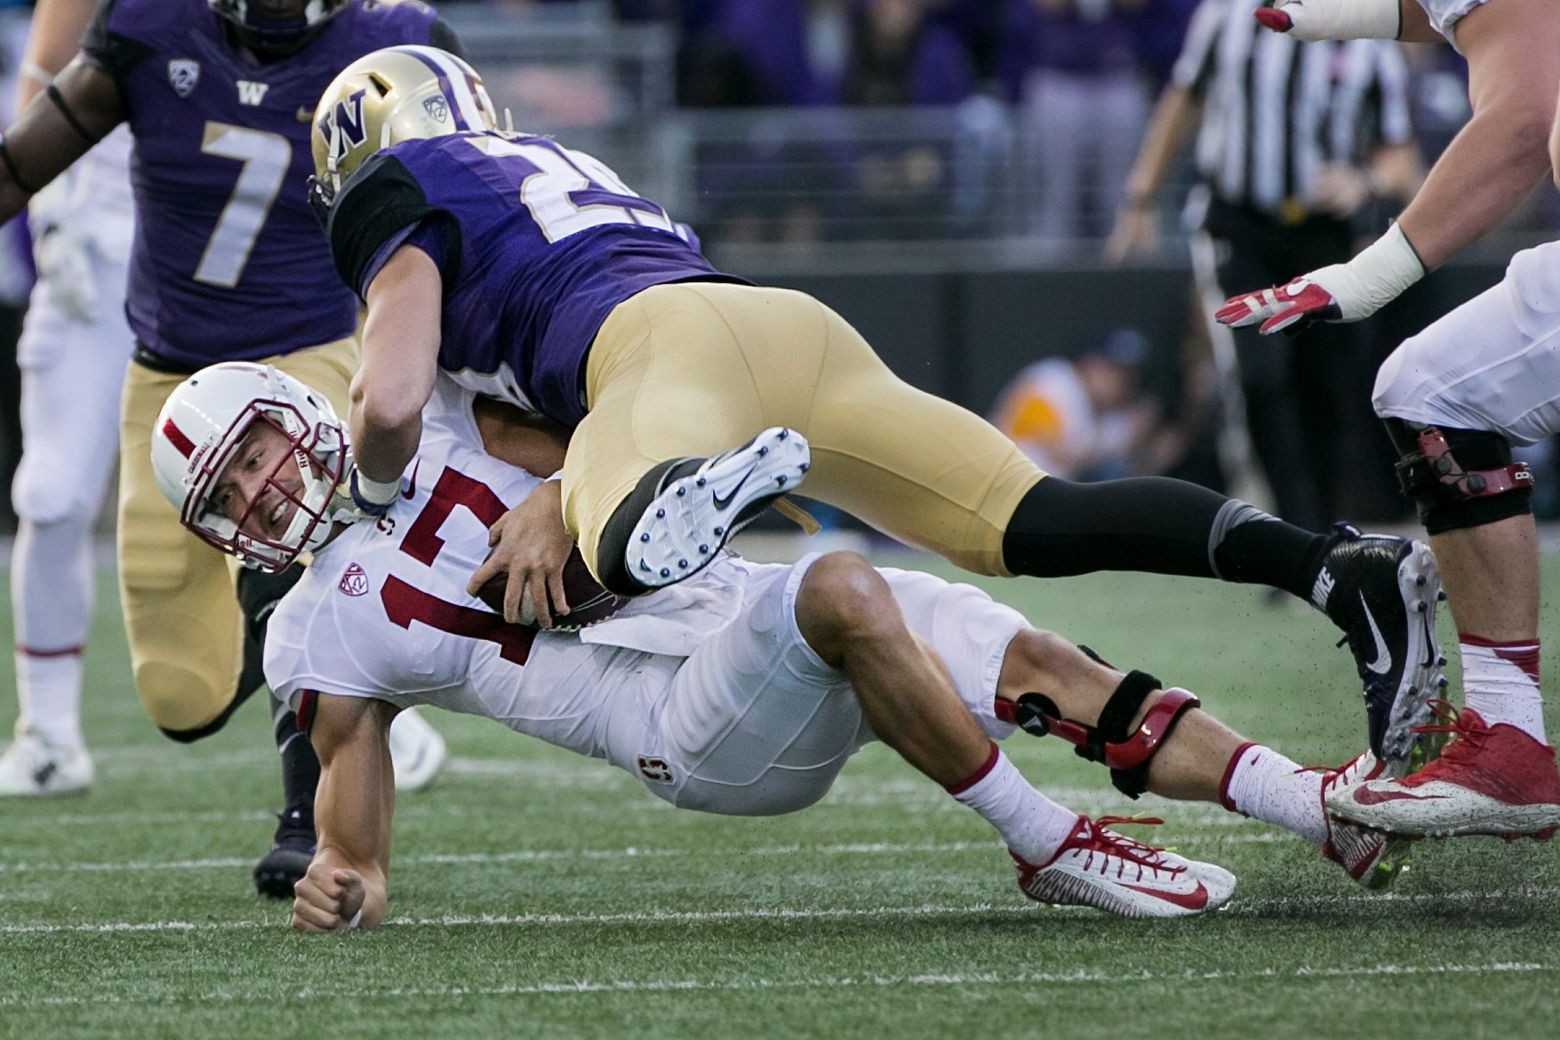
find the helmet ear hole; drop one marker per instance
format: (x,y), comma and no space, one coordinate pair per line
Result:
(380,83)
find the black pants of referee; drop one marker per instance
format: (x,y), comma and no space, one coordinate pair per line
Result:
(1307,396)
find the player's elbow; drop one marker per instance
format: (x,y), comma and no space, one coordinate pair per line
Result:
(381,408)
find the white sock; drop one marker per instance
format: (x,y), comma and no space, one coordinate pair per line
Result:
(1500,682)
(1033,826)
(48,693)
(1262,784)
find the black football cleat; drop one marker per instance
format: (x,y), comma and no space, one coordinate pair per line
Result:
(1382,592)
(697,511)
(291,850)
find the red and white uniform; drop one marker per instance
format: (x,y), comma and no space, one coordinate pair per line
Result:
(705,690)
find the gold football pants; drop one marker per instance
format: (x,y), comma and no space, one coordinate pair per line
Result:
(697,368)
(181,617)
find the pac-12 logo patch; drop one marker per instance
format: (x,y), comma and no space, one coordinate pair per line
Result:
(183,74)
(437,108)
(354,582)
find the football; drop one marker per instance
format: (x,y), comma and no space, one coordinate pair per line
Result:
(588,601)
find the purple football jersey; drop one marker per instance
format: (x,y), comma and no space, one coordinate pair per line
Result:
(229,262)
(536,243)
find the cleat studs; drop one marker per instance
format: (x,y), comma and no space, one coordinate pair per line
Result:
(784,434)
(780,480)
(643,565)
(1443,682)
(645,537)
(700,482)
(1440,597)
(719,531)
(1419,608)
(762,452)
(683,564)
(804,467)
(1420,581)
(660,514)
(704,548)
(681,492)
(1440,662)
(666,572)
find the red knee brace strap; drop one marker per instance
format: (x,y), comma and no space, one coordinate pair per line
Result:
(1126,754)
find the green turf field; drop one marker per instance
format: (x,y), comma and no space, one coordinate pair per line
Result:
(537,894)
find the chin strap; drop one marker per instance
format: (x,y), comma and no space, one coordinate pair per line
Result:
(1124,751)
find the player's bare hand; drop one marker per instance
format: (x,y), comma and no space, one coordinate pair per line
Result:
(530,547)
(1339,190)
(326,898)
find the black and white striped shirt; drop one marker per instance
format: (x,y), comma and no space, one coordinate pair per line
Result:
(1278,109)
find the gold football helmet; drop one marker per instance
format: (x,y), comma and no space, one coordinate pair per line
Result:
(392,95)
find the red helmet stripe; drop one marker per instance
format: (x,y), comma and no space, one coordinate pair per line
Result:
(177,439)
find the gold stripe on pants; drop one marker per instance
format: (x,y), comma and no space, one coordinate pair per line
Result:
(697,368)
(181,617)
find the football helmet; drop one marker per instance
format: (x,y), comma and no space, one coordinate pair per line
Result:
(277,26)
(391,95)
(199,431)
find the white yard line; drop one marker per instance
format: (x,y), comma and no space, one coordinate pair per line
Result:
(628,852)
(1238,908)
(874,981)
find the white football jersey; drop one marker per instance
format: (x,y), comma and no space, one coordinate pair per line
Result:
(382,610)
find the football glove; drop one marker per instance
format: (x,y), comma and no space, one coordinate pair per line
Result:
(62,251)
(1337,292)
(1333,19)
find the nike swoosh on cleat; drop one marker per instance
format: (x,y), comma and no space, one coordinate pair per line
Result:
(1193,900)
(1365,796)
(1383,662)
(722,503)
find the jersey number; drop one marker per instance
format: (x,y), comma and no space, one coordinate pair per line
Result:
(568,192)
(405,603)
(266,157)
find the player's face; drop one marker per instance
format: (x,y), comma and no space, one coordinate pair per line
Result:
(260,488)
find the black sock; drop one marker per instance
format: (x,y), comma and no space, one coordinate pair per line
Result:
(300,766)
(1156,525)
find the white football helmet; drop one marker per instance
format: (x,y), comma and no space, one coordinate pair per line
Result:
(199,430)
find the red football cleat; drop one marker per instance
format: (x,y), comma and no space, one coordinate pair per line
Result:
(1370,857)
(1489,780)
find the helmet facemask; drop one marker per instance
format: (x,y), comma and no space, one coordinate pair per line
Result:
(316,454)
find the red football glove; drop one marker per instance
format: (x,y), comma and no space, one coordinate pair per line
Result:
(1300,300)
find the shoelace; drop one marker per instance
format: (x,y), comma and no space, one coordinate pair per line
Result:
(1466,740)
(1109,844)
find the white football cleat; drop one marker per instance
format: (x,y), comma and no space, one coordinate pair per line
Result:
(416,750)
(693,516)
(28,766)
(1371,858)
(1100,868)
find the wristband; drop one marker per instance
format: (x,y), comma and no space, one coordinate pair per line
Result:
(1379,275)
(372,494)
(1343,19)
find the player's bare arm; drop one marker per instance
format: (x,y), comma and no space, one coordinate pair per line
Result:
(52,40)
(396,374)
(352,810)
(1513,52)
(1497,158)
(69,117)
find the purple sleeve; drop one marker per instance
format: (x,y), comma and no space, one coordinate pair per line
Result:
(430,234)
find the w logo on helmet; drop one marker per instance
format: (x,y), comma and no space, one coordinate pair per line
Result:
(343,126)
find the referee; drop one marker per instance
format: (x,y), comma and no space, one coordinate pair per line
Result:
(1294,141)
